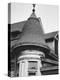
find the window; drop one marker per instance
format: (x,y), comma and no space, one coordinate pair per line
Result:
(30,74)
(32,67)
(17,69)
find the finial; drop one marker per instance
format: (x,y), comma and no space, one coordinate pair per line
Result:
(33,8)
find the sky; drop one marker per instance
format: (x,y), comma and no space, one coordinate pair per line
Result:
(47,13)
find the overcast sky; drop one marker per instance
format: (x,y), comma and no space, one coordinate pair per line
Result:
(47,13)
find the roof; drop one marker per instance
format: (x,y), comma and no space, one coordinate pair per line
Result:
(50,35)
(17,26)
(32,32)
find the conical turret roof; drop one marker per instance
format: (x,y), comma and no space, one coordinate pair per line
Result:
(32,33)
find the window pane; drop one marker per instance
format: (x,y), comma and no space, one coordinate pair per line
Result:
(31,74)
(32,66)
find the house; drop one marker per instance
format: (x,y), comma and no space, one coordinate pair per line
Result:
(31,51)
